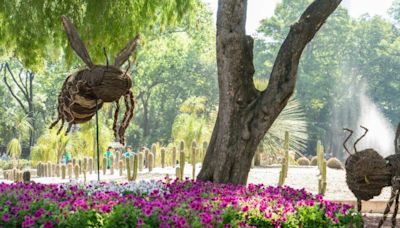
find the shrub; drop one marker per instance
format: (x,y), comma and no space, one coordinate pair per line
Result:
(334,163)
(8,164)
(314,161)
(303,161)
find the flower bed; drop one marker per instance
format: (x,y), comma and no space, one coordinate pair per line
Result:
(176,204)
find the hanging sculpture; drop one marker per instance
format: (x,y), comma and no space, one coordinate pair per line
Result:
(85,91)
(367,172)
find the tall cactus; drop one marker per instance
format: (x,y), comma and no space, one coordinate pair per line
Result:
(121,167)
(141,160)
(80,165)
(163,157)
(285,161)
(154,151)
(178,173)
(151,161)
(135,167)
(104,165)
(70,168)
(173,156)
(182,164)
(117,157)
(146,157)
(194,149)
(322,169)
(112,164)
(84,169)
(63,171)
(39,169)
(205,147)
(57,170)
(128,169)
(76,171)
(90,165)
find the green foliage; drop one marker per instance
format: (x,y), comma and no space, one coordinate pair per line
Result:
(14,149)
(49,147)
(193,123)
(23,163)
(31,39)
(292,120)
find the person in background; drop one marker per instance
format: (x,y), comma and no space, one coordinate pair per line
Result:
(128,152)
(108,154)
(67,157)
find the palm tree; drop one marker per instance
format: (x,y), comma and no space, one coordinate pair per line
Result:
(292,120)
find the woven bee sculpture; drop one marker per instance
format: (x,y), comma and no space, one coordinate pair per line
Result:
(367,173)
(85,91)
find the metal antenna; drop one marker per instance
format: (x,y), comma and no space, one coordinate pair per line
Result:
(347,139)
(362,136)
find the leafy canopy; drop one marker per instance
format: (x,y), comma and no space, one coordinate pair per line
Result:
(31,29)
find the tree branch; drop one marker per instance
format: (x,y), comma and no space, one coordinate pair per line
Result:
(283,76)
(16,82)
(12,92)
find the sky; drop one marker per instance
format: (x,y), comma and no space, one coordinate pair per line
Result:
(259,9)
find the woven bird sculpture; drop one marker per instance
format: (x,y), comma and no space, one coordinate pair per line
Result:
(84,91)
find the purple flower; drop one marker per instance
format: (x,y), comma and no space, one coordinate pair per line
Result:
(28,221)
(6,217)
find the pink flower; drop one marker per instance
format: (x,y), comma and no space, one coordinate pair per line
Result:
(6,217)
(48,224)
(28,221)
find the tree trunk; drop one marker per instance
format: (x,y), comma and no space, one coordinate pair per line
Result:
(245,114)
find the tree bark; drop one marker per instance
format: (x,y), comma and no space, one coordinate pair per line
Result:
(245,114)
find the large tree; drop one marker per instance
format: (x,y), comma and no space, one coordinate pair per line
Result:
(245,114)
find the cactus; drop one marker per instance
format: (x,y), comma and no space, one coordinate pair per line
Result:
(141,160)
(76,171)
(146,157)
(39,169)
(205,147)
(45,170)
(90,165)
(334,163)
(154,152)
(151,162)
(182,164)
(53,169)
(73,162)
(117,157)
(135,167)
(178,173)
(70,167)
(80,166)
(257,156)
(121,167)
(285,161)
(128,169)
(26,176)
(104,165)
(194,149)
(322,169)
(173,157)
(84,169)
(112,164)
(303,161)
(63,171)
(57,170)
(163,157)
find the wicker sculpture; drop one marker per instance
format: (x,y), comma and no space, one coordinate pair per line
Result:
(367,172)
(85,91)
